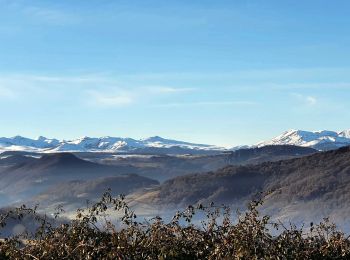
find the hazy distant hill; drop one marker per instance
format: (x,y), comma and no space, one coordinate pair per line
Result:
(74,194)
(30,177)
(315,185)
(67,179)
(268,153)
(163,167)
(25,174)
(7,160)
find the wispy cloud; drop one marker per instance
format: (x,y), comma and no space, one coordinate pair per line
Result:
(305,99)
(170,90)
(119,97)
(311,100)
(46,14)
(6,93)
(42,12)
(149,81)
(255,74)
(112,99)
(324,85)
(209,103)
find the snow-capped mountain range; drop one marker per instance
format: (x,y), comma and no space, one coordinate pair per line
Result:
(102,144)
(320,140)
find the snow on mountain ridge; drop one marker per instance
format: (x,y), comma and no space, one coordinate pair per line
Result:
(321,140)
(102,144)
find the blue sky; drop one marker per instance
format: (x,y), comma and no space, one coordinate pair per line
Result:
(219,72)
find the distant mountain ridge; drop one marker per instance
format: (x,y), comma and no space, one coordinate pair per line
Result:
(102,144)
(320,140)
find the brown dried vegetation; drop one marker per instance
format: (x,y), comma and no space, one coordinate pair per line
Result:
(92,235)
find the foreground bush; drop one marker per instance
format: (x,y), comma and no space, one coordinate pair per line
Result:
(92,235)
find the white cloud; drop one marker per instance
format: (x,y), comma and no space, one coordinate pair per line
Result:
(311,100)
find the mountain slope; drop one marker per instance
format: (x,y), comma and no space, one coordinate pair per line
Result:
(320,140)
(15,159)
(267,153)
(163,167)
(29,178)
(73,194)
(310,187)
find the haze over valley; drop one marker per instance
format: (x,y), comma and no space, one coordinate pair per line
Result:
(298,169)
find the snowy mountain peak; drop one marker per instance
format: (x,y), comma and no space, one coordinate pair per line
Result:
(154,139)
(345,133)
(321,140)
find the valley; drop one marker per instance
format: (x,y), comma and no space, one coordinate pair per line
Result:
(296,178)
